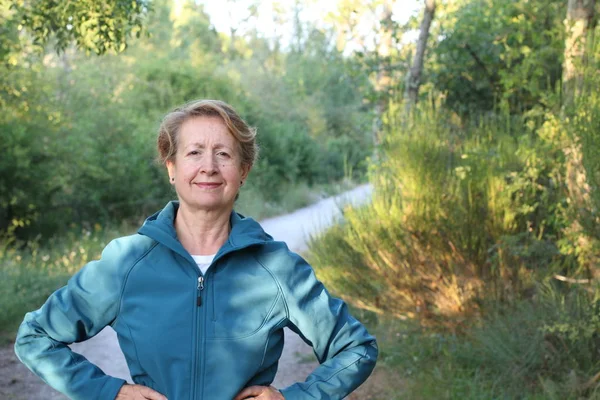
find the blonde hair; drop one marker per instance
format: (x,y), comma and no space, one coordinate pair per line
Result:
(168,133)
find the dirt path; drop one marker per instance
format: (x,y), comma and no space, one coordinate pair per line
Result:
(297,360)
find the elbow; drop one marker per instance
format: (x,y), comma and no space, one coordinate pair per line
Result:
(374,349)
(366,364)
(31,340)
(25,337)
(369,352)
(372,352)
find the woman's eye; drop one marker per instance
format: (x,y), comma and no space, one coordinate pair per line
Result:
(193,153)
(223,154)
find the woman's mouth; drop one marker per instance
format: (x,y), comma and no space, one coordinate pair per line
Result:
(208,185)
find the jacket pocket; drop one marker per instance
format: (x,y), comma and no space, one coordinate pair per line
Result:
(243,301)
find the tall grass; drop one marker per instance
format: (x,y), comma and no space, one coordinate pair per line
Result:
(545,348)
(31,271)
(457,255)
(458,210)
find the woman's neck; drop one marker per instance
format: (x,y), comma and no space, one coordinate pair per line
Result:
(202,232)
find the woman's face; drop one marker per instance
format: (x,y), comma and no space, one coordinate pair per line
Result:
(207,169)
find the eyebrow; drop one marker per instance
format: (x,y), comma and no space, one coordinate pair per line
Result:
(200,145)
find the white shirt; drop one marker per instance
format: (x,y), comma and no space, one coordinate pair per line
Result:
(204,262)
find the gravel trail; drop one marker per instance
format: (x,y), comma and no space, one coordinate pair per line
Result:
(297,360)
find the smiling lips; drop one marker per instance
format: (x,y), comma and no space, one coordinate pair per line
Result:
(207,185)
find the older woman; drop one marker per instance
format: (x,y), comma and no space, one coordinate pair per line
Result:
(200,296)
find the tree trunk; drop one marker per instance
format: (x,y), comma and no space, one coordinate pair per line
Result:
(414,78)
(383,80)
(578,24)
(579,21)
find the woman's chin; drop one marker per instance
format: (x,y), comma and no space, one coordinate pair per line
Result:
(211,205)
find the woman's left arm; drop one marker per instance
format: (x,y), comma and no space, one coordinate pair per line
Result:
(346,351)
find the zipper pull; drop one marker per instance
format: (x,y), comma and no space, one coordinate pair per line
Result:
(200,288)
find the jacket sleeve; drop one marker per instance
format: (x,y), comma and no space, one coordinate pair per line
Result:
(346,351)
(74,313)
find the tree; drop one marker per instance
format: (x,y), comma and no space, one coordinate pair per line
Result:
(383,80)
(33,121)
(95,26)
(414,77)
(371,31)
(497,52)
(578,25)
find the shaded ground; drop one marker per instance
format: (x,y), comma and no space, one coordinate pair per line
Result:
(383,384)
(297,361)
(18,383)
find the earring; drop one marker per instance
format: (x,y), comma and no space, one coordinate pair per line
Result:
(172,179)
(241,183)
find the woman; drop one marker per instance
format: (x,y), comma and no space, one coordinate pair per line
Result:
(200,296)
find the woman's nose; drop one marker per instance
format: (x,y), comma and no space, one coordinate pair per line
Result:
(208,163)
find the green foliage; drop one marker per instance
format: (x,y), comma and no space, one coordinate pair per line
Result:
(309,111)
(459,211)
(492,52)
(583,128)
(576,131)
(29,135)
(9,32)
(80,131)
(94,26)
(68,162)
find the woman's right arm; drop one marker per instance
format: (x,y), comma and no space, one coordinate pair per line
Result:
(76,312)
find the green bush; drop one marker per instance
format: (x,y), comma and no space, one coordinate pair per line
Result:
(459,210)
(492,52)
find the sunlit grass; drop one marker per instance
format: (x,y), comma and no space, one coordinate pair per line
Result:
(30,272)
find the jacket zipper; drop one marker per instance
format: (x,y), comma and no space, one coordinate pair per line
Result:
(202,331)
(198,370)
(200,340)
(195,346)
(200,289)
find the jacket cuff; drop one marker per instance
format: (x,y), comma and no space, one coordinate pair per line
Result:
(111,388)
(294,392)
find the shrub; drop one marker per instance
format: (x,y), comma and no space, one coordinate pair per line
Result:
(459,210)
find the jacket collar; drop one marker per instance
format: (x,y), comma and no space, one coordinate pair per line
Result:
(245,232)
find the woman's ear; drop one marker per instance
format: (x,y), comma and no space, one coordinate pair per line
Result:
(245,171)
(171,170)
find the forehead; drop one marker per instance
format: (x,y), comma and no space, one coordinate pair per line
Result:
(205,130)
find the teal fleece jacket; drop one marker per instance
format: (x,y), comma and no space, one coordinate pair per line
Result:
(190,336)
